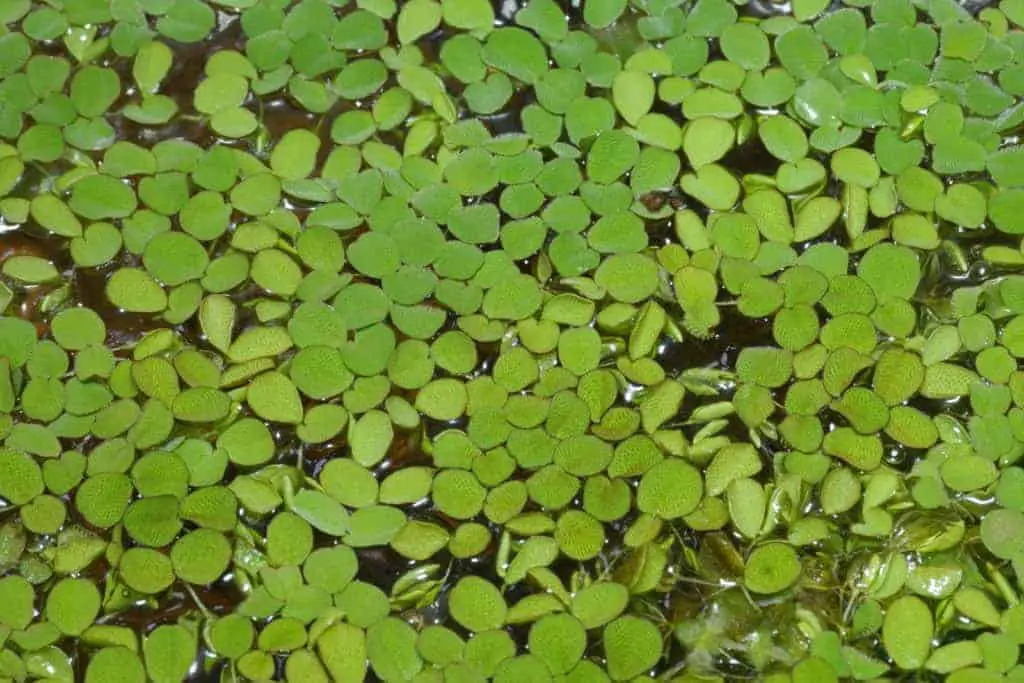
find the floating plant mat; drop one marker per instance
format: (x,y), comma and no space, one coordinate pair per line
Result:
(416,341)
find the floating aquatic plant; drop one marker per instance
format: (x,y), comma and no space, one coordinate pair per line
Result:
(573,342)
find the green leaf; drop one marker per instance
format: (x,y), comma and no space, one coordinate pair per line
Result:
(746,45)
(274,397)
(220,92)
(115,663)
(94,89)
(891,271)
(783,138)
(29,269)
(771,568)
(152,63)
(169,651)
(100,196)
(72,605)
(516,52)
(24,480)
(632,646)
(134,290)
(187,21)
(707,140)
(476,604)
(907,632)
(391,648)
(476,16)
(201,556)
(633,95)
(322,512)
(670,489)
(612,155)
(417,18)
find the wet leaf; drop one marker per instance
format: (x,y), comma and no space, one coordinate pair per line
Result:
(907,631)
(632,646)
(477,605)
(771,568)
(72,605)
